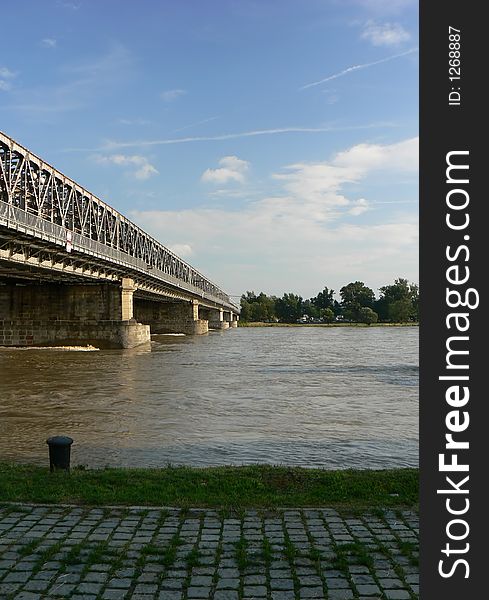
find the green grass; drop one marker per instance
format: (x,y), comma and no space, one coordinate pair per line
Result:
(233,488)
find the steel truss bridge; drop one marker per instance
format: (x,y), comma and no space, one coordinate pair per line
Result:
(51,228)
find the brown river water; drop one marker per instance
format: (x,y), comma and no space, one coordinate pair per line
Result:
(321,397)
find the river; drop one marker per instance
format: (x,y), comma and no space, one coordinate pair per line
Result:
(324,397)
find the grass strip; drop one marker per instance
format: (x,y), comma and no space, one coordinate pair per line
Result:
(234,488)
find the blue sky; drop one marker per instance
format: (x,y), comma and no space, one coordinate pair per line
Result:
(270,143)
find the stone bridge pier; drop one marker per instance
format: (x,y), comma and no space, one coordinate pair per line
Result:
(169,316)
(54,314)
(214,316)
(106,315)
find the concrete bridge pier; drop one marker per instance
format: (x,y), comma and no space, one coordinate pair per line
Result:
(55,314)
(231,318)
(216,318)
(171,317)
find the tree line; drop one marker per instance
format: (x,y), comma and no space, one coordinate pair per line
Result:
(397,303)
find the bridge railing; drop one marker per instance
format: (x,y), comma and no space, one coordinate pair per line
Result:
(13,217)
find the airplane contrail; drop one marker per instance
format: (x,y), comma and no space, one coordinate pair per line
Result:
(357,67)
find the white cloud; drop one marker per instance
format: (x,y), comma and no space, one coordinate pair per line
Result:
(402,156)
(359,207)
(171,95)
(182,250)
(142,167)
(48,43)
(231,168)
(385,34)
(306,235)
(5,75)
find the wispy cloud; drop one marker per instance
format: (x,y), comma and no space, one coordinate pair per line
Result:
(82,85)
(69,5)
(231,168)
(137,121)
(49,43)
(357,68)
(6,75)
(384,34)
(171,95)
(383,7)
(113,145)
(195,124)
(141,168)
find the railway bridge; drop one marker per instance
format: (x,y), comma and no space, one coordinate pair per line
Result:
(74,270)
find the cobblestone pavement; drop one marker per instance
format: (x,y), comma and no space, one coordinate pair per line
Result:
(109,554)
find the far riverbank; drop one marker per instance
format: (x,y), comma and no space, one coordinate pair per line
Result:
(262,324)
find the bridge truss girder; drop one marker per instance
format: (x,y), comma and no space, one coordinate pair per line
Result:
(69,230)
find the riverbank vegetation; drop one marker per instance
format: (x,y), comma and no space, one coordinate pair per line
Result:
(235,488)
(397,303)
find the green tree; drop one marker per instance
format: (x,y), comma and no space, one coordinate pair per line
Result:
(327,315)
(324,299)
(398,302)
(367,315)
(289,308)
(309,309)
(354,296)
(401,311)
(257,308)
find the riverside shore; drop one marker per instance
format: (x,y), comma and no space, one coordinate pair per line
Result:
(236,488)
(262,324)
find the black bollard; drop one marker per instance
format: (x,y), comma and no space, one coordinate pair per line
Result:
(59,452)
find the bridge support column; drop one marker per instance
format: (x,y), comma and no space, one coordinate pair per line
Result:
(128,289)
(53,314)
(216,319)
(233,319)
(171,317)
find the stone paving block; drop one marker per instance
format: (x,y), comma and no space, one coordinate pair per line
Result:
(96,576)
(225,595)
(113,594)
(390,583)
(397,594)
(228,583)
(88,588)
(172,584)
(145,588)
(198,592)
(368,589)
(15,577)
(340,595)
(282,595)
(257,591)
(255,580)
(313,592)
(170,595)
(63,589)
(120,583)
(282,584)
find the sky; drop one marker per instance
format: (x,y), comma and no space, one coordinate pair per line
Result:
(272,144)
